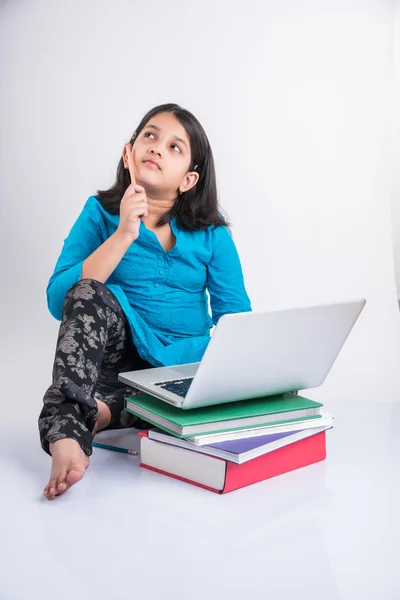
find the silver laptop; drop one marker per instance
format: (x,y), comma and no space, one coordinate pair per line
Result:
(256,354)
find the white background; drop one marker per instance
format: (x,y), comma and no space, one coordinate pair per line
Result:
(300,101)
(396,150)
(297,100)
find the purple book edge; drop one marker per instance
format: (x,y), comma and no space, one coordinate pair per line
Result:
(238,447)
(247,444)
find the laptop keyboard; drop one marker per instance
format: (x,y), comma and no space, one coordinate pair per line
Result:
(177,386)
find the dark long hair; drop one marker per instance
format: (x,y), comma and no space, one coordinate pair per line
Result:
(195,209)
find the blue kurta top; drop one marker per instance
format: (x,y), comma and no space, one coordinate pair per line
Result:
(163,294)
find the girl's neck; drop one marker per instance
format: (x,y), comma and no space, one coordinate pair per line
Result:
(156,209)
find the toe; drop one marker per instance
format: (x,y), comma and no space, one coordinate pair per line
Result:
(62,482)
(61,487)
(74,475)
(50,490)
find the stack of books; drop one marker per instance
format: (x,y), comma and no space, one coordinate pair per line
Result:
(228,446)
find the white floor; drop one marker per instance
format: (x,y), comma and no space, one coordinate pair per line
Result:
(329,531)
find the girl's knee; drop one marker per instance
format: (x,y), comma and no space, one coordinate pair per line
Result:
(86,289)
(89,290)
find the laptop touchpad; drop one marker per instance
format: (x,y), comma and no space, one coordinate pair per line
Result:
(185,370)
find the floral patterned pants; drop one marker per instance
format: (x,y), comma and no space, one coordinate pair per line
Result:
(94,345)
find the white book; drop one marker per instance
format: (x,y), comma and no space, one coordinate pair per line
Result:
(238,451)
(325,420)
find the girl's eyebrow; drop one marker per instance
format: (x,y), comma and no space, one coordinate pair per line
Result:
(175,137)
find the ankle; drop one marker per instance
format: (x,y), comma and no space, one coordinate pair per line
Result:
(104,415)
(62,443)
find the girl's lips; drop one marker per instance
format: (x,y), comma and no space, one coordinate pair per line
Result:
(152,164)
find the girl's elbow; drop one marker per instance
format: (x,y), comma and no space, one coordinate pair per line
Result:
(54,306)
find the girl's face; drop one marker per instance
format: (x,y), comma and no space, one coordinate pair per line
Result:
(162,156)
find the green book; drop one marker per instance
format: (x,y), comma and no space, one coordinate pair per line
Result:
(255,412)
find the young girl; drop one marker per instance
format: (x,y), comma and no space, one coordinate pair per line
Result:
(130,285)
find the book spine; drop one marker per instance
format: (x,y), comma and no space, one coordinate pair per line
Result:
(180,478)
(283,460)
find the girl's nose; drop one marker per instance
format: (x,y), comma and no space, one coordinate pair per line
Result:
(155,151)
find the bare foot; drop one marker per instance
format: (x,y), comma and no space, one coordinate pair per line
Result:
(69,464)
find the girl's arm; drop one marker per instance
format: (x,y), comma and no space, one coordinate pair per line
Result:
(105,259)
(225,280)
(85,254)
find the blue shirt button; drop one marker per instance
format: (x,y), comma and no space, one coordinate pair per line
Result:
(156,285)
(161,271)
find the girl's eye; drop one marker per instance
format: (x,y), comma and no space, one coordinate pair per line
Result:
(172,145)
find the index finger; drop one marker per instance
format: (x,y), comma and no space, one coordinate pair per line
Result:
(130,166)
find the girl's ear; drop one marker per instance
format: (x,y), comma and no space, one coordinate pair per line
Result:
(127,148)
(189,181)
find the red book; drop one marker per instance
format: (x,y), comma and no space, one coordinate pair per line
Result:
(221,476)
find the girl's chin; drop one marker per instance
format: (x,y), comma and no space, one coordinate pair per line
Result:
(149,175)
